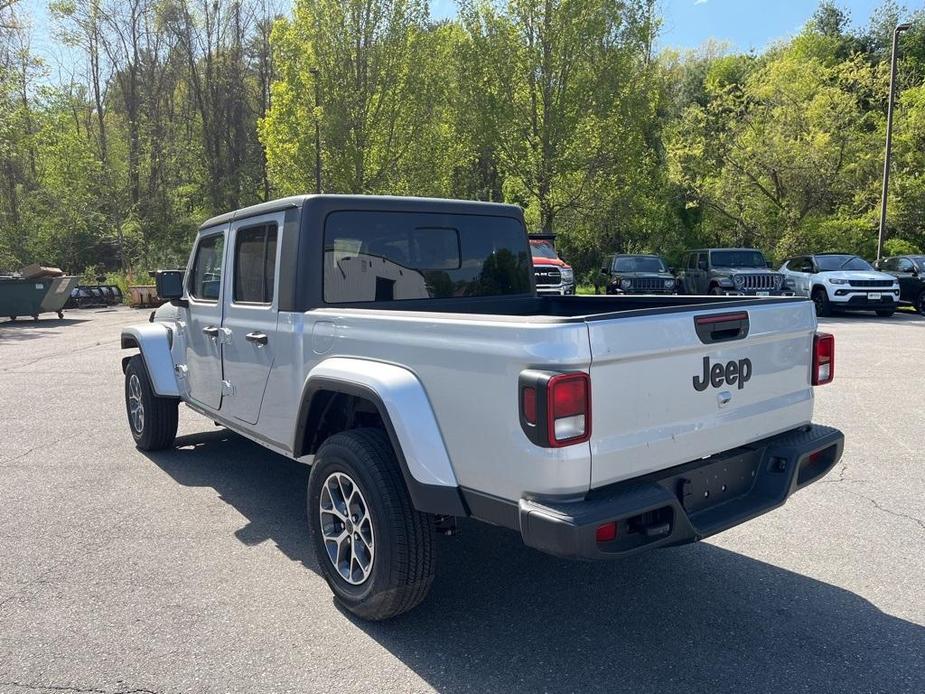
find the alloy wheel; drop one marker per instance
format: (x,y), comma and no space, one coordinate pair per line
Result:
(346,528)
(136,408)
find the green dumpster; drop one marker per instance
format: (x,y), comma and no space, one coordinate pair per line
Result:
(59,290)
(20,297)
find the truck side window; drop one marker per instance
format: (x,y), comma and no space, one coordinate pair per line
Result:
(255,264)
(206,279)
(393,256)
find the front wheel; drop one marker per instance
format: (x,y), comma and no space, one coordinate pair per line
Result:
(821,300)
(151,419)
(920,302)
(375,550)
(886,312)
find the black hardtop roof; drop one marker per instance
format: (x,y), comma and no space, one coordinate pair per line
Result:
(383,203)
(637,255)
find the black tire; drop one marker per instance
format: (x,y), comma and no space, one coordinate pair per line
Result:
(920,302)
(716,291)
(12,318)
(886,312)
(157,427)
(61,315)
(821,300)
(401,565)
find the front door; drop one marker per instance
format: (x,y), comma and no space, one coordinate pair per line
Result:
(909,282)
(204,320)
(701,275)
(250,314)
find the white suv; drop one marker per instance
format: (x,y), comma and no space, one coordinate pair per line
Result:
(840,281)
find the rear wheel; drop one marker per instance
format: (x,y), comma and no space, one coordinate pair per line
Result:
(821,300)
(151,419)
(375,550)
(920,302)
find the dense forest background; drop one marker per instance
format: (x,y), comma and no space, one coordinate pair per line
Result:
(169,111)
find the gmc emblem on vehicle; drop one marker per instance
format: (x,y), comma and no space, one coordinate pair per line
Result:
(730,373)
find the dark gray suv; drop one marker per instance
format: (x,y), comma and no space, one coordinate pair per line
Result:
(729,271)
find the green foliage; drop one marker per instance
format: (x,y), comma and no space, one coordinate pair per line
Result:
(900,247)
(189,108)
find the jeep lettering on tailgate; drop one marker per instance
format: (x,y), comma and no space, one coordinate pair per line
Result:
(731,372)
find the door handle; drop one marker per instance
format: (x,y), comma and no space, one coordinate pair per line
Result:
(257,338)
(211,331)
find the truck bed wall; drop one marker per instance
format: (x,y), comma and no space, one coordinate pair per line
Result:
(556,307)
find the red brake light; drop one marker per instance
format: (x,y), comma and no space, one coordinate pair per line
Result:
(569,420)
(823,359)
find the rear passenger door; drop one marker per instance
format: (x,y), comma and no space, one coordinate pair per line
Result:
(250,314)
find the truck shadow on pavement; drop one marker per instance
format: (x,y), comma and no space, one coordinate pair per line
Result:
(502,617)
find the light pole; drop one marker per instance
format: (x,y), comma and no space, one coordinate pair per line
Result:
(889,138)
(314,72)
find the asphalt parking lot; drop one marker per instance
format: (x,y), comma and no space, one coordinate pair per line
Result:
(190,570)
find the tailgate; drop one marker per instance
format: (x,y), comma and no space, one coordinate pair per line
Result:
(652,407)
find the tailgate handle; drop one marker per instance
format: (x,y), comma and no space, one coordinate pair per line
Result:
(721,327)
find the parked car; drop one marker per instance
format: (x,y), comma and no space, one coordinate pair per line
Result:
(909,270)
(639,274)
(398,346)
(553,275)
(843,282)
(734,271)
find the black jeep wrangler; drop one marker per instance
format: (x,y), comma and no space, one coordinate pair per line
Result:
(639,274)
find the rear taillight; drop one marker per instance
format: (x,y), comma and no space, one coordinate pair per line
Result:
(823,358)
(555,408)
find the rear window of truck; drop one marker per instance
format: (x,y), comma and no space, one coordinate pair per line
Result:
(394,256)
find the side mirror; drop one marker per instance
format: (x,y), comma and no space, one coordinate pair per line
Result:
(605,270)
(671,270)
(701,265)
(169,284)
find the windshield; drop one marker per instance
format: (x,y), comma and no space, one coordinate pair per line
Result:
(543,249)
(833,263)
(919,260)
(738,259)
(639,264)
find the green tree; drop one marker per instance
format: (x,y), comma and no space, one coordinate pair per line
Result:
(378,68)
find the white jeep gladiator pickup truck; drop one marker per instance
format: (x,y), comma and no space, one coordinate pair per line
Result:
(398,346)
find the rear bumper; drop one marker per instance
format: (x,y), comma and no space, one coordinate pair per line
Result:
(686,503)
